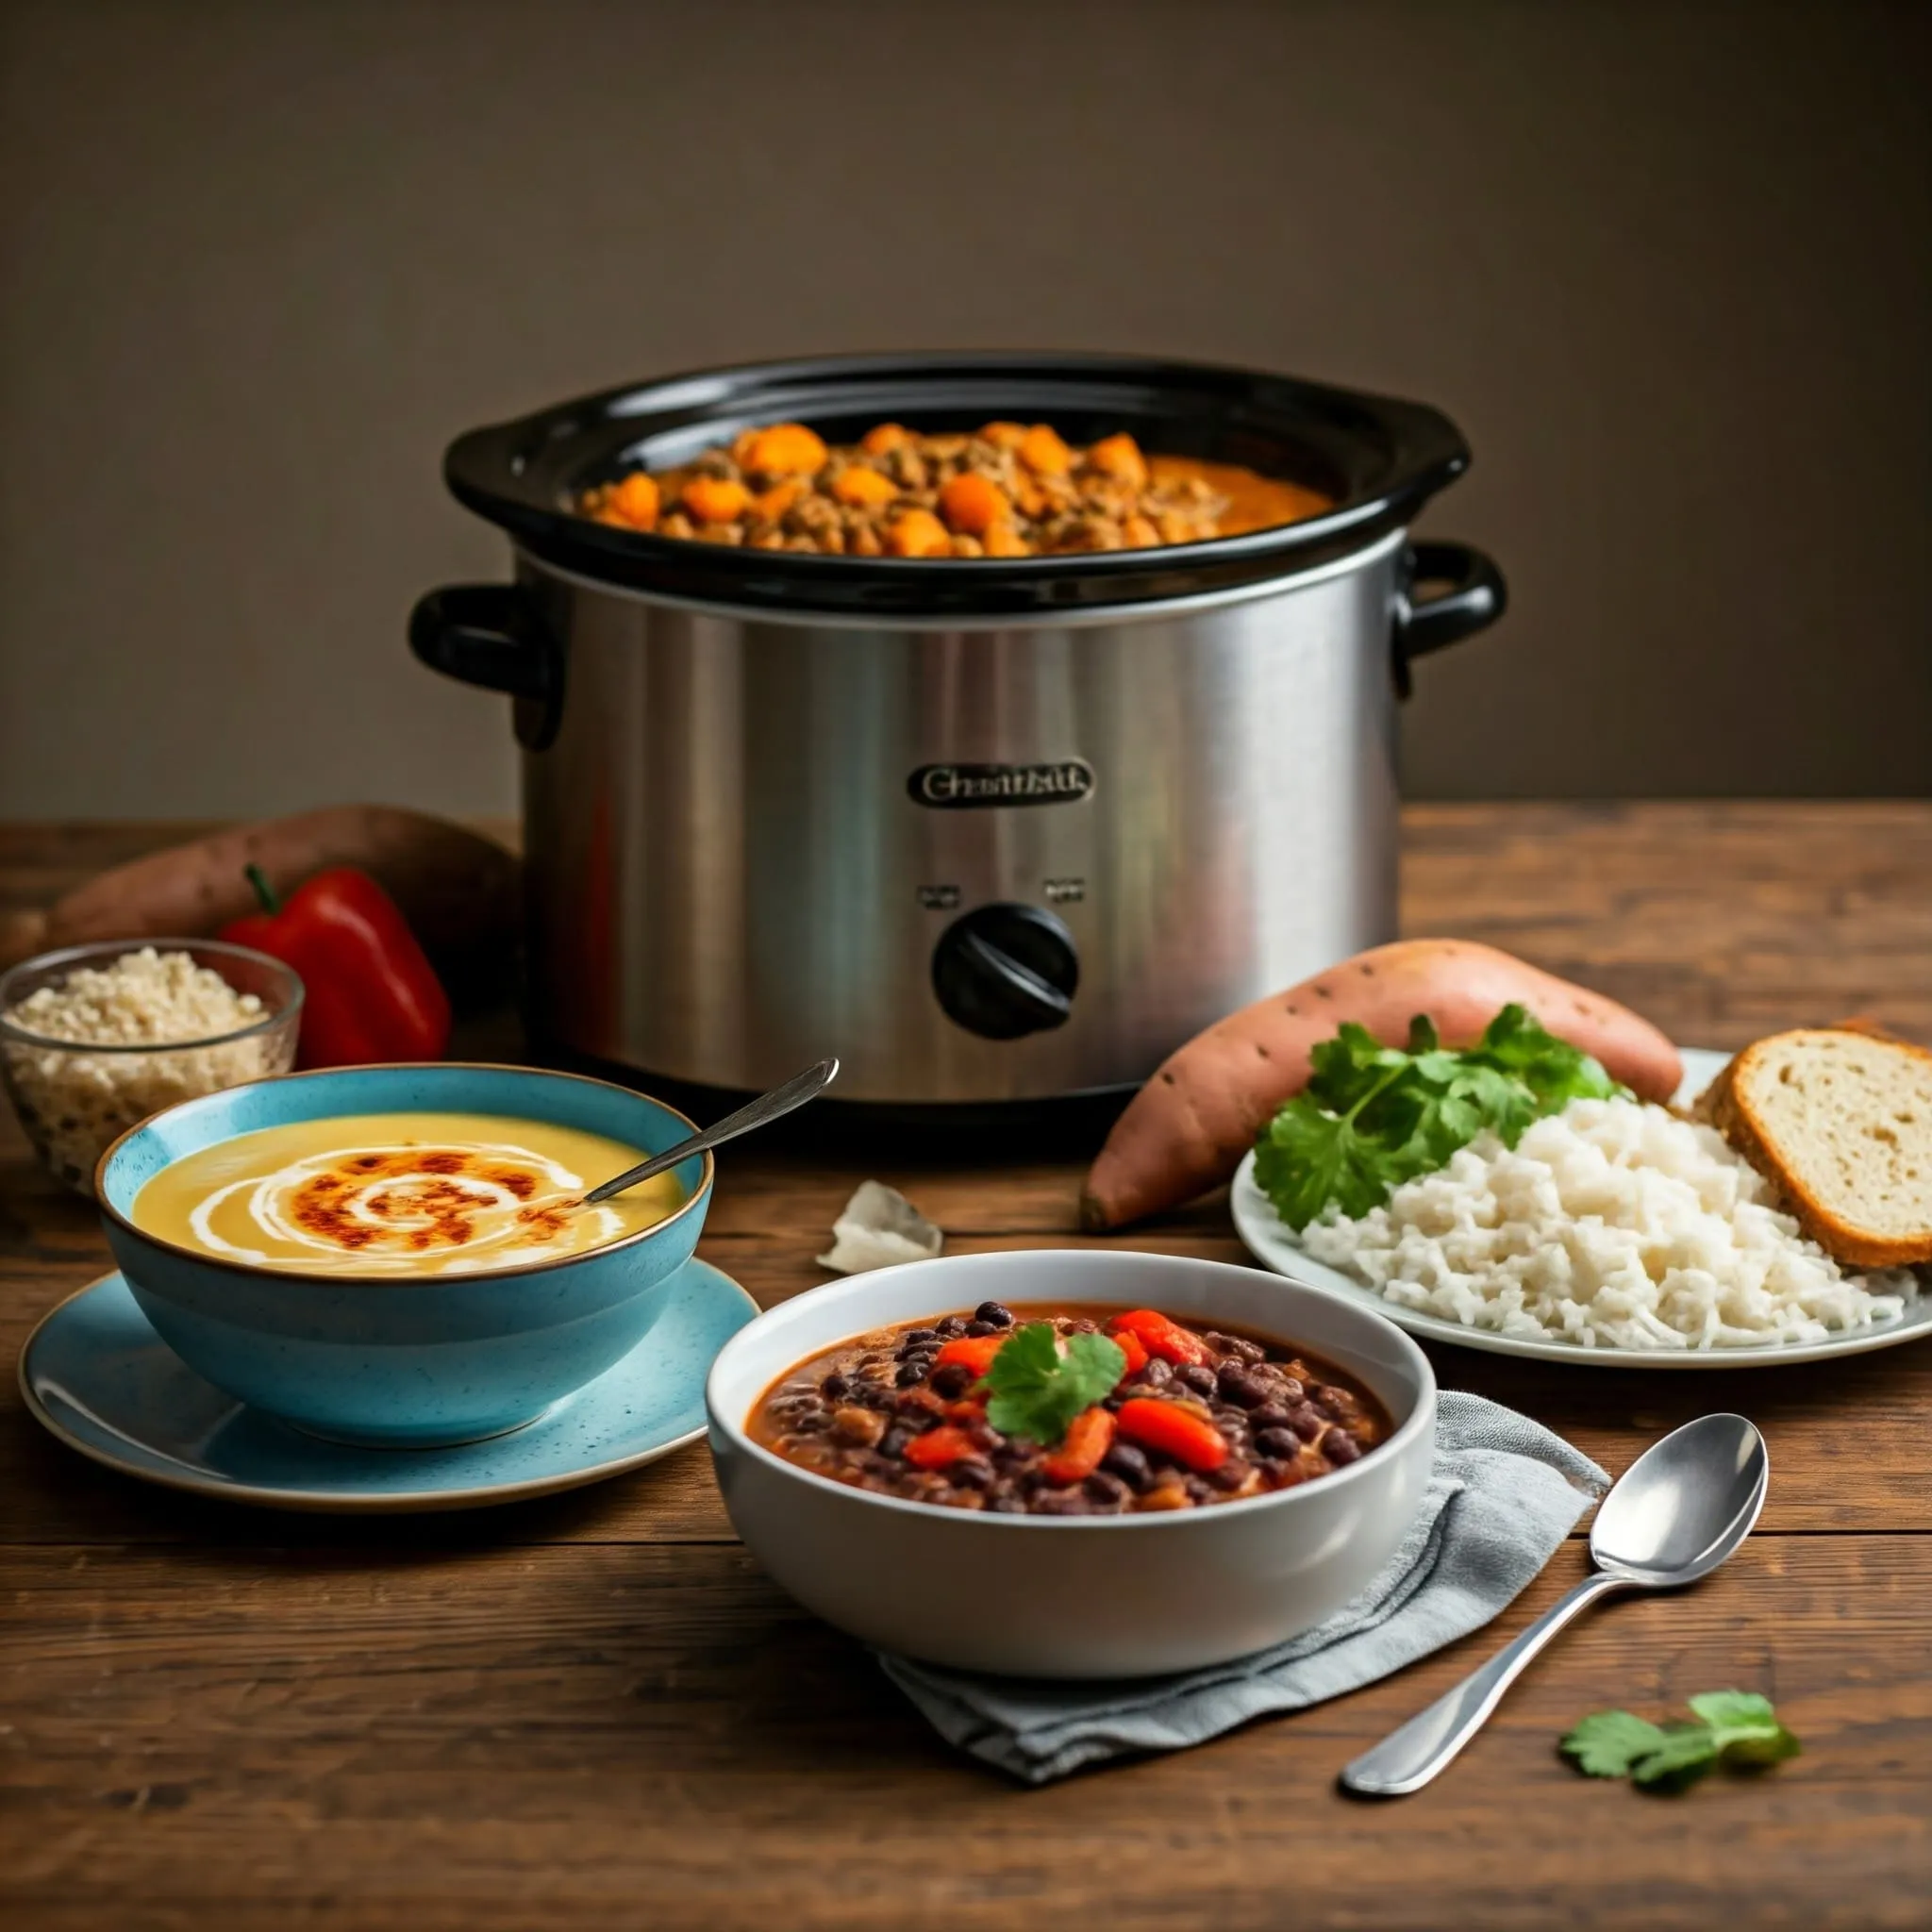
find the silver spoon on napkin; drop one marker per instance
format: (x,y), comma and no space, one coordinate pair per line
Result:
(754,1114)
(1678,1512)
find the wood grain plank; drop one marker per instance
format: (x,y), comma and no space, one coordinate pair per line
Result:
(505,1737)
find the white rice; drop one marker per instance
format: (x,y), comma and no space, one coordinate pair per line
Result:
(1613,1223)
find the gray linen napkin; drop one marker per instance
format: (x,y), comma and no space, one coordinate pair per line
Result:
(1503,1494)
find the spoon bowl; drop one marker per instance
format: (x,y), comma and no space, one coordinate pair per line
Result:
(1684,1505)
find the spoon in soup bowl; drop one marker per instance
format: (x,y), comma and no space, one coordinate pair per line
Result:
(753,1115)
(1677,1513)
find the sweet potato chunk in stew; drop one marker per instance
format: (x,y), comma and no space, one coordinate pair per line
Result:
(1081,1411)
(1005,490)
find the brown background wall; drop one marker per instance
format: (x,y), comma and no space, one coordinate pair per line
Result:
(1667,265)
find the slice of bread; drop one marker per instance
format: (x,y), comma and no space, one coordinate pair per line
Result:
(1840,1120)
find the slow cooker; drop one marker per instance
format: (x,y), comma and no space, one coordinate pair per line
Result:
(988,830)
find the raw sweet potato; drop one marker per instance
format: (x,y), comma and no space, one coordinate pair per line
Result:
(1187,1129)
(457,889)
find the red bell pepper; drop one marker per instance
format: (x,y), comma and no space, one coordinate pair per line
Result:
(938,1447)
(371,995)
(1159,1335)
(1185,1435)
(975,1351)
(1090,1436)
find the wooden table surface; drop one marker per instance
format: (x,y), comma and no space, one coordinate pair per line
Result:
(595,1710)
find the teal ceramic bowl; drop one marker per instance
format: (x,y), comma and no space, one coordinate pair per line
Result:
(423,1359)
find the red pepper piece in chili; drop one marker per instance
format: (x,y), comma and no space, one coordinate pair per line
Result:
(1088,1437)
(1190,1439)
(969,1408)
(1133,1348)
(1161,1336)
(975,1351)
(938,1447)
(370,992)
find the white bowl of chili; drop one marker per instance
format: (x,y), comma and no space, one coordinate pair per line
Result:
(972,1553)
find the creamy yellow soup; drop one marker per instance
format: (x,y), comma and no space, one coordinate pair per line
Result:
(400,1194)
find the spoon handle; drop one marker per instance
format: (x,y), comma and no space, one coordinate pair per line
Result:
(1408,1758)
(767,1106)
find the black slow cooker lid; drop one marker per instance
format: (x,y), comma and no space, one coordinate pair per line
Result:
(1379,458)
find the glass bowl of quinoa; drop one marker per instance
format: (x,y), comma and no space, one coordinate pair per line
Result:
(94,1038)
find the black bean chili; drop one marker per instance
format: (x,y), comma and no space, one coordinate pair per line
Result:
(1199,1416)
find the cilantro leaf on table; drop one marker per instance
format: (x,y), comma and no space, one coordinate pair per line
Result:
(1736,1728)
(1608,1742)
(1746,1728)
(1037,1391)
(1371,1116)
(1687,1752)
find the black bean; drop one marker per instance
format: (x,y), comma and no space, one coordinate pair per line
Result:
(1129,1464)
(910,1373)
(984,1436)
(995,1312)
(1306,1423)
(917,1335)
(1197,1488)
(896,1438)
(1340,1447)
(1229,1475)
(1005,1503)
(952,1326)
(952,1380)
(1238,1385)
(1278,1441)
(1271,1415)
(1289,1389)
(1062,1503)
(1237,1345)
(971,1472)
(1107,1487)
(1157,1373)
(834,1386)
(1338,1402)
(816,1424)
(1196,1376)
(979,1327)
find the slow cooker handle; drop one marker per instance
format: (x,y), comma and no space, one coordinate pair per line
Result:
(1476,596)
(491,634)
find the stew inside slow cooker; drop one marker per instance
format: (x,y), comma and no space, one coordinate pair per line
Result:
(1005,490)
(1078,1410)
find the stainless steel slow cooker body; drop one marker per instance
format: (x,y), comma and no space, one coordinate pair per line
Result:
(986,842)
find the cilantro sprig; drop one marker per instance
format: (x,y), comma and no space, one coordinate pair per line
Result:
(1375,1116)
(1737,1728)
(1037,1391)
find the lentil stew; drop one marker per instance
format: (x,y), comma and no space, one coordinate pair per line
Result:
(1005,490)
(1153,1414)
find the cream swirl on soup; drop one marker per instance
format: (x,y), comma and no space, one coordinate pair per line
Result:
(400,1195)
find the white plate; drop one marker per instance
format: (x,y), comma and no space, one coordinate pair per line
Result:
(1274,1246)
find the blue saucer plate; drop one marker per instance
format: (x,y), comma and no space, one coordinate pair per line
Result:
(97,1376)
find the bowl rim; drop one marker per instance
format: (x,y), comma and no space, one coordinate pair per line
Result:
(698,1195)
(76,957)
(1421,1419)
